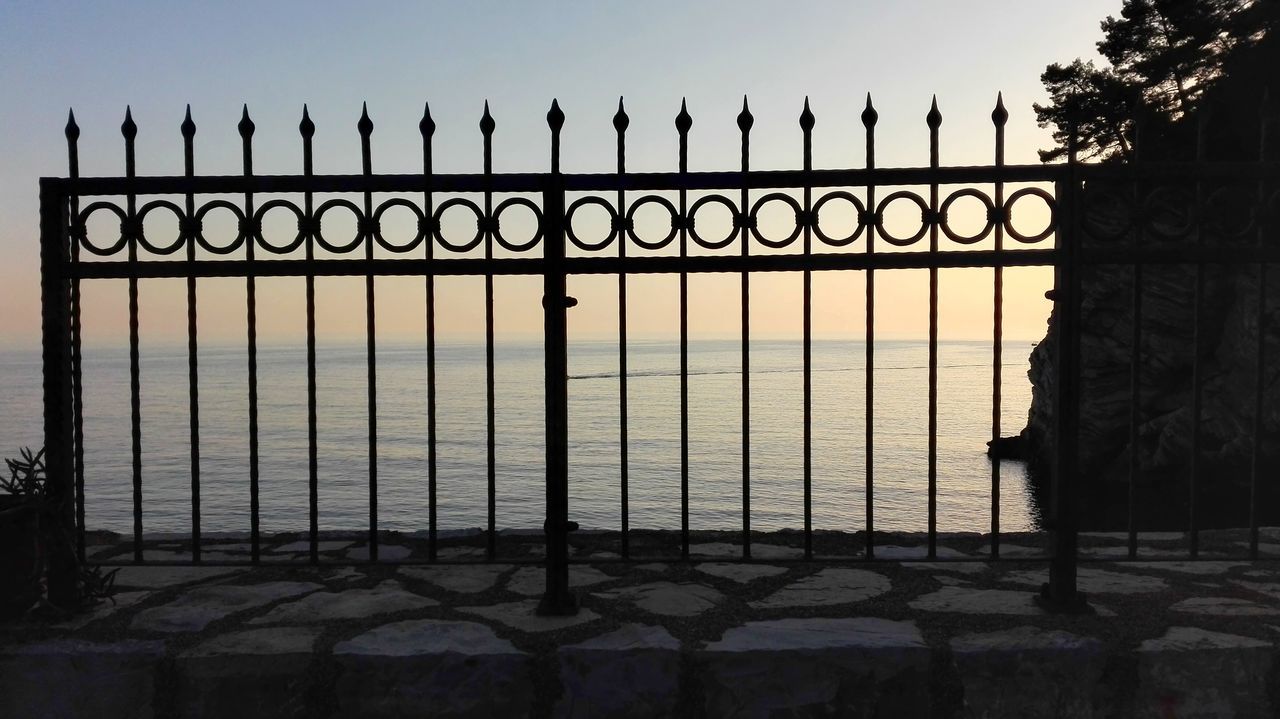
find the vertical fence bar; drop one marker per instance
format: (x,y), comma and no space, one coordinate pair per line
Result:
(246,128)
(486,128)
(745,121)
(1197,349)
(130,131)
(683,123)
(556,599)
(806,126)
(427,127)
(55,316)
(1260,364)
(1061,592)
(307,128)
(193,376)
(999,116)
(934,120)
(869,117)
(1135,404)
(72,133)
(365,127)
(620,123)
(1135,355)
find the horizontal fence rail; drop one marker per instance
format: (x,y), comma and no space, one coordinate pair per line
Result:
(1097,215)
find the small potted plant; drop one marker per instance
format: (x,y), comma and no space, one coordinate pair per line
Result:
(22,503)
(29,535)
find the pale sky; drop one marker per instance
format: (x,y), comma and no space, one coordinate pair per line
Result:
(159,56)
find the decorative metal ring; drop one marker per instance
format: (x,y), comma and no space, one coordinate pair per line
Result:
(319,224)
(613,223)
(693,212)
(458,202)
(240,227)
(1211,219)
(84,223)
(980,234)
(631,224)
(1050,227)
(902,241)
(257,227)
(1187,202)
(381,239)
(1089,198)
(857,228)
(142,216)
(537,216)
(753,225)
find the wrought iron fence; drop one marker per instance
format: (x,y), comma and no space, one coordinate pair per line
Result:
(555,251)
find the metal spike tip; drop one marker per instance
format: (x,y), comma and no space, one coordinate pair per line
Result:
(999,116)
(869,114)
(684,120)
(188,126)
(745,119)
(620,119)
(426,125)
(486,121)
(555,116)
(72,130)
(128,128)
(934,118)
(246,126)
(306,127)
(806,117)
(365,125)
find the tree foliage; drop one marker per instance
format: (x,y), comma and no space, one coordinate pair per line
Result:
(1166,61)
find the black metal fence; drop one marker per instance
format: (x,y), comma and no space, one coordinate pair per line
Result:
(867,244)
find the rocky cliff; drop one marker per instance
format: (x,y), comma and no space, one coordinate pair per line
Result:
(1229,334)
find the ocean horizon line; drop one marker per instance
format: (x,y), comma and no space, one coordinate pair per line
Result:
(522,340)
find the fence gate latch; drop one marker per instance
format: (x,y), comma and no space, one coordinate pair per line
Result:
(568,301)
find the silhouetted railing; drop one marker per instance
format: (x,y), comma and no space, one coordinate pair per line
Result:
(865,244)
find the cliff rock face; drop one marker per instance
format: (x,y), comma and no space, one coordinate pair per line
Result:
(1229,336)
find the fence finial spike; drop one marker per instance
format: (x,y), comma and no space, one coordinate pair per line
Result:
(869,114)
(684,120)
(1204,113)
(72,130)
(426,125)
(745,119)
(128,128)
(188,125)
(934,118)
(1265,119)
(620,119)
(306,127)
(999,116)
(246,126)
(555,116)
(486,121)
(365,125)
(806,117)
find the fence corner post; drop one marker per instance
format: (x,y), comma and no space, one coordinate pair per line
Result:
(55,312)
(1061,594)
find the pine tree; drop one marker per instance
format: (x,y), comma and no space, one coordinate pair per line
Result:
(1166,59)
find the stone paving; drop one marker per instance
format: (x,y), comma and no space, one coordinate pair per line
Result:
(953,635)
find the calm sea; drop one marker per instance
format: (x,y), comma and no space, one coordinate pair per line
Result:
(715,431)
